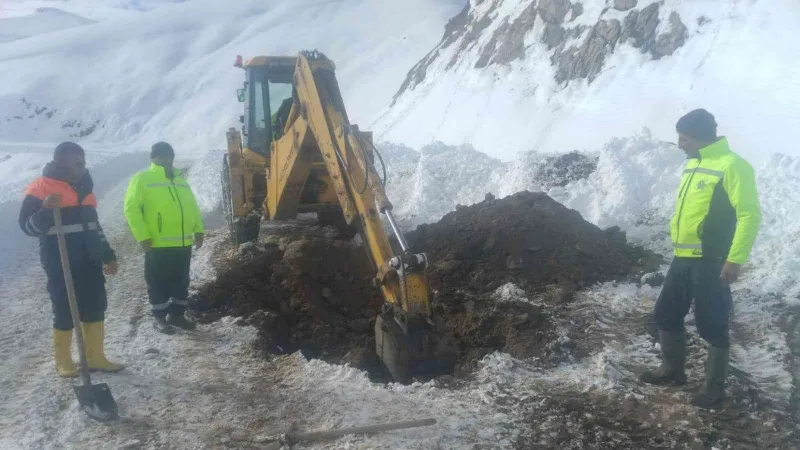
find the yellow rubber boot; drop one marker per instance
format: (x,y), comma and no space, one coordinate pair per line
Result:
(94,335)
(62,349)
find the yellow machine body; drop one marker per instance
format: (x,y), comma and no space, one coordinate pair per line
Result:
(300,153)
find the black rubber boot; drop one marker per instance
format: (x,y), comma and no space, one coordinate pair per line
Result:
(673,358)
(160,324)
(716,371)
(180,321)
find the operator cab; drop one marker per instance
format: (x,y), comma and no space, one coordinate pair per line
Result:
(267,95)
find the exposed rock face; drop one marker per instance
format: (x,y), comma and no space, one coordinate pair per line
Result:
(453,30)
(577,10)
(554,11)
(554,35)
(512,39)
(638,29)
(587,60)
(668,43)
(466,33)
(470,38)
(624,5)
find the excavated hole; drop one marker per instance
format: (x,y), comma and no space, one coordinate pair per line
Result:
(307,291)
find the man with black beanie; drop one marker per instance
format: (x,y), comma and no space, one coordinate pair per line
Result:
(65,183)
(716,220)
(164,218)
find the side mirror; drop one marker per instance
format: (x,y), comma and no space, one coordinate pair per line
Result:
(240,95)
(241,119)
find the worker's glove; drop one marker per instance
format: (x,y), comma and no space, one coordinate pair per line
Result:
(52,201)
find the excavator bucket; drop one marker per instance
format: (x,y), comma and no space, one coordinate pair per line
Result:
(422,349)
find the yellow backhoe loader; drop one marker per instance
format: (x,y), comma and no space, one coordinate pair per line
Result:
(298,153)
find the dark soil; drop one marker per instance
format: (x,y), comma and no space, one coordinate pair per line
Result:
(316,294)
(619,421)
(528,239)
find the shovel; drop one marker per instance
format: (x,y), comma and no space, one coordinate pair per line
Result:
(95,400)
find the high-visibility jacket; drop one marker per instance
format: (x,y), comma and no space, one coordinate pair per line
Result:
(717,211)
(162,209)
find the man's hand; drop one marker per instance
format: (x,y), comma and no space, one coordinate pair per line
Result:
(198,240)
(110,268)
(730,272)
(146,244)
(52,201)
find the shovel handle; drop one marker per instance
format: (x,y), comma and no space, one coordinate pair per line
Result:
(316,435)
(329,434)
(73,302)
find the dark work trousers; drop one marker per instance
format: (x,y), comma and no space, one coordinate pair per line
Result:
(696,279)
(166,271)
(90,292)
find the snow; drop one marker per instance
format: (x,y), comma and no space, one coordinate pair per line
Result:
(503,110)
(510,293)
(42,21)
(93,10)
(168,74)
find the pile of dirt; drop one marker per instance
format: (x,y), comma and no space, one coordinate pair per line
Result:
(316,294)
(528,239)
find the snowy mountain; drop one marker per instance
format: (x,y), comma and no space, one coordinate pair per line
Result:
(95,10)
(562,75)
(168,73)
(44,20)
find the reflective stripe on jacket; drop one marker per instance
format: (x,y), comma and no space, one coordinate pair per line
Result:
(717,211)
(87,246)
(162,209)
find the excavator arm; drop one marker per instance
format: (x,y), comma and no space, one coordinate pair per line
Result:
(318,139)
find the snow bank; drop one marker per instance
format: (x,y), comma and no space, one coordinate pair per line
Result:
(168,73)
(507,108)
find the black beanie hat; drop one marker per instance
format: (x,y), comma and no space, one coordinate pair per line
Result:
(699,124)
(161,149)
(67,148)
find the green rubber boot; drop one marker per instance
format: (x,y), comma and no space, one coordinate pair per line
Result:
(673,357)
(716,371)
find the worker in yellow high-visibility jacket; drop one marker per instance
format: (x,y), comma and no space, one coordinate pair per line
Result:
(716,220)
(164,218)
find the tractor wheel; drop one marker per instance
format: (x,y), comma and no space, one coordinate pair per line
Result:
(243,229)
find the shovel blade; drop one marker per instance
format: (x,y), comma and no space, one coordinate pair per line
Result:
(97,402)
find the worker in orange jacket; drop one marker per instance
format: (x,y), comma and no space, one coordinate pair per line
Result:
(66,183)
